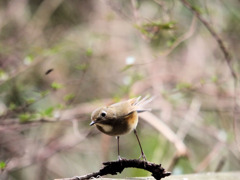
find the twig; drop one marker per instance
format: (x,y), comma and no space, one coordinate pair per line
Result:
(41,18)
(182,38)
(206,161)
(220,164)
(228,59)
(114,167)
(158,124)
(221,45)
(135,11)
(190,116)
(176,158)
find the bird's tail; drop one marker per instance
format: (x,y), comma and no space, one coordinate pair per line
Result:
(140,103)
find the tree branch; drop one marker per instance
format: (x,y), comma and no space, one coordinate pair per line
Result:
(228,59)
(114,167)
(221,45)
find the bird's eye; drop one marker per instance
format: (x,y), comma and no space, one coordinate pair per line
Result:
(103,114)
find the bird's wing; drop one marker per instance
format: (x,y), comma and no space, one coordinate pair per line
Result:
(125,108)
(140,103)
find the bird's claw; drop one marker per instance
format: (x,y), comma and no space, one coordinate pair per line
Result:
(119,158)
(142,156)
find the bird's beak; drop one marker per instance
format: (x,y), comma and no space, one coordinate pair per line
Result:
(92,123)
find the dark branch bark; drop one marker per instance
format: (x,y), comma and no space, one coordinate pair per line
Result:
(114,167)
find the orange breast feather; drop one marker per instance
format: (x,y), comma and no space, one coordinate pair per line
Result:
(133,119)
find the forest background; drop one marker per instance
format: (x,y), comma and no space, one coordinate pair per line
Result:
(59,60)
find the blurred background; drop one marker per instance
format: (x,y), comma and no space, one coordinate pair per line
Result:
(59,60)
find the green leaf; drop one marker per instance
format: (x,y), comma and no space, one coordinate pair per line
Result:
(125,68)
(89,52)
(25,117)
(153,29)
(2,165)
(3,75)
(82,66)
(30,100)
(60,106)
(183,85)
(28,60)
(69,97)
(44,93)
(116,98)
(214,78)
(56,85)
(171,42)
(48,112)
(12,106)
(198,9)
(202,81)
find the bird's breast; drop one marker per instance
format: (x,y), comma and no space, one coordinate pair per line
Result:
(133,120)
(119,125)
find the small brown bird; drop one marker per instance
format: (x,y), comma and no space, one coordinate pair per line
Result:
(120,118)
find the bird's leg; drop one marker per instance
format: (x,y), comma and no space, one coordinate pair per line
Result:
(119,158)
(142,153)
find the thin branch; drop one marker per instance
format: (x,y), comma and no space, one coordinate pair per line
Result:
(158,124)
(114,167)
(228,59)
(41,18)
(44,154)
(135,11)
(182,38)
(221,45)
(190,116)
(206,161)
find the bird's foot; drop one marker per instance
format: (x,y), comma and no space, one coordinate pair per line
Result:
(119,158)
(142,156)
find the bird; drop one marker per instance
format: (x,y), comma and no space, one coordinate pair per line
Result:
(120,118)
